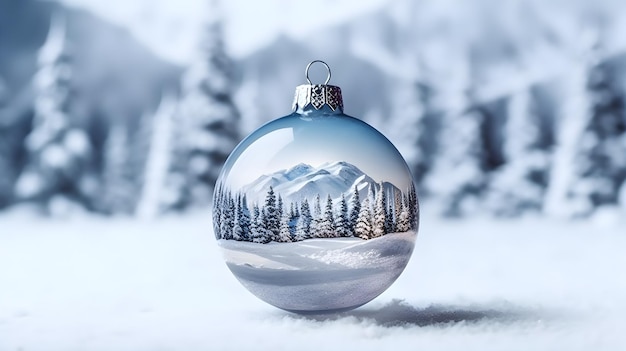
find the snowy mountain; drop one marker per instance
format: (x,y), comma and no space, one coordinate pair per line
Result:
(304,181)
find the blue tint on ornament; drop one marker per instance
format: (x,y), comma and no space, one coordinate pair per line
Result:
(316,212)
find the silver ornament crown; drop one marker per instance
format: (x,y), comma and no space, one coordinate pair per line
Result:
(317,95)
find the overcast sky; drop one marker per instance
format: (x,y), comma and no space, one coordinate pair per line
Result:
(170,27)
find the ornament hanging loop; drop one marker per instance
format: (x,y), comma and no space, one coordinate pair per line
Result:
(306,71)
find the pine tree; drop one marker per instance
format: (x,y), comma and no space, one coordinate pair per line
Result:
(209,120)
(118,180)
(303,227)
(600,166)
(292,211)
(518,186)
(588,166)
(157,194)
(279,206)
(237,229)
(284,235)
(355,208)
(403,221)
(389,224)
(342,222)
(57,172)
(317,217)
(414,122)
(228,218)
(294,214)
(327,225)
(241,230)
(380,212)
(413,206)
(363,227)
(397,208)
(271,219)
(370,195)
(246,221)
(217,210)
(457,176)
(257,230)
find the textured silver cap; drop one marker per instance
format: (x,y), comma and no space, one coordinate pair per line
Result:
(317,95)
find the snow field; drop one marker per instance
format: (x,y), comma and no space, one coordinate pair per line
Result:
(319,274)
(96,284)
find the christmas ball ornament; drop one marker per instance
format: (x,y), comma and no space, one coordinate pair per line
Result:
(316,211)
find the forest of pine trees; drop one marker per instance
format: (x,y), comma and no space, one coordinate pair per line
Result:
(535,141)
(168,162)
(56,175)
(275,221)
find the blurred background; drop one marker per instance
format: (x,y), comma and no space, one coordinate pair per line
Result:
(115,110)
(126,108)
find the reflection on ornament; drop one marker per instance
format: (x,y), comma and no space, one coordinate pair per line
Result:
(316,211)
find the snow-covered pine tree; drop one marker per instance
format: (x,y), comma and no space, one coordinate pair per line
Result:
(279,206)
(390,227)
(284,235)
(572,116)
(237,229)
(327,225)
(156,194)
(355,208)
(403,221)
(317,217)
(209,119)
(370,196)
(588,162)
(271,220)
(457,177)
(242,230)
(363,226)
(342,221)
(458,172)
(414,122)
(412,206)
(519,185)
(57,173)
(303,227)
(257,232)
(294,213)
(118,181)
(246,221)
(217,209)
(600,166)
(397,208)
(380,212)
(227,222)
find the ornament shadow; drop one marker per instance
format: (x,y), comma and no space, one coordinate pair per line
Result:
(399,313)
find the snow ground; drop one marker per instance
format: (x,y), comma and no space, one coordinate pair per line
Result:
(319,274)
(97,284)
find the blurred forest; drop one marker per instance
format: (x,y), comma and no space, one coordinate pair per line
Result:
(506,108)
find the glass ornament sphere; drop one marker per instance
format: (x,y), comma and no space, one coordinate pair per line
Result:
(316,211)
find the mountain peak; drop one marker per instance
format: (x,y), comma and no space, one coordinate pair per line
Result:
(298,170)
(303,181)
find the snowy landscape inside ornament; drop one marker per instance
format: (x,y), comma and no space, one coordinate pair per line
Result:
(316,211)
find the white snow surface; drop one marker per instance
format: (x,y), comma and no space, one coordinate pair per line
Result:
(479,284)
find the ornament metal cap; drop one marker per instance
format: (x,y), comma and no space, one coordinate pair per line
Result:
(317,95)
